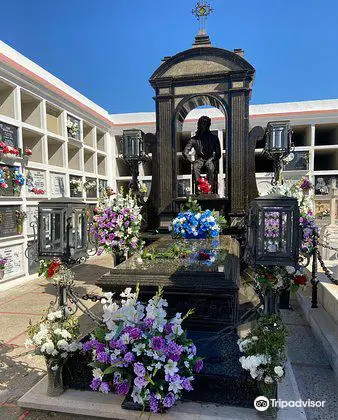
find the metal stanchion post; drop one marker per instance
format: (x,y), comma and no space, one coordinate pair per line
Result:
(314,280)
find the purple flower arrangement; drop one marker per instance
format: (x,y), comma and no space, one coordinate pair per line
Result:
(142,353)
(116,226)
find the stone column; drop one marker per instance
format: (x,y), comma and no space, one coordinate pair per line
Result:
(239,151)
(164,166)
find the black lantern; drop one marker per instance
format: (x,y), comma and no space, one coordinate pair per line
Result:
(278,144)
(273,231)
(62,229)
(133,153)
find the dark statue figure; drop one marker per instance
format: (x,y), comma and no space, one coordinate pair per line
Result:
(207,151)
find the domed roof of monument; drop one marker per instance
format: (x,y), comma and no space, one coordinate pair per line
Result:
(206,60)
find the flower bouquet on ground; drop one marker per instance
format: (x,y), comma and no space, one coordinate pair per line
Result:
(56,338)
(141,353)
(264,351)
(116,226)
(190,225)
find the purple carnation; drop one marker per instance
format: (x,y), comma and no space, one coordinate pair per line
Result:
(95,384)
(148,322)
(87,345)
(139,369)
(140,381)
(133,332)
(169,400)
(192,350)
(174,351)
(105,388)
(168,328)
(122,388)
(153,403)
(157,343)
(186,384)
(129,357)
(99,347)
(198,366)
(103,357)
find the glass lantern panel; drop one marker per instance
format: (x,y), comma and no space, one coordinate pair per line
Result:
(78,230)
(52,230)
(279,138)
(275,231)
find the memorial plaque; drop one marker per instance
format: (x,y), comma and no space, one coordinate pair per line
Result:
(36,183)
(300,162)
(33,260)
(32,217)
(9,134)
(8,225)
(14,255)
(58,185)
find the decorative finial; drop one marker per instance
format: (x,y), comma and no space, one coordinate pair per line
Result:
(202,10)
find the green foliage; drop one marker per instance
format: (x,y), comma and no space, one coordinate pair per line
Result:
(191,205)
(271,335)
(176,251)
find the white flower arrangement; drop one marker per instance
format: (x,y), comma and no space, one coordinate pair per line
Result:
(54,337)
(264,350)
(75,184)
(89,185)
(73,127)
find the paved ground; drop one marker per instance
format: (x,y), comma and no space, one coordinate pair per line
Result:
(19,369)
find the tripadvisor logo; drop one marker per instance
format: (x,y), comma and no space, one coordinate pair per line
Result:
(262,403)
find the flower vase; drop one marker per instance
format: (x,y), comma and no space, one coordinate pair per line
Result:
(20,229)
(271,302)
(55,381)
(270,392)
(2,273)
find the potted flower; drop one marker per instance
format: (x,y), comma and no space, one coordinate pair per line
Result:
(141,353)
(20,217)
(3,263)
(56,338)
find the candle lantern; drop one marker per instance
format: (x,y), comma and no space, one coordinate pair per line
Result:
(278,144)
(133,154)
(62,230)
(273,231)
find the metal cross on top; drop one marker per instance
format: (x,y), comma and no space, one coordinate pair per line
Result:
(202,10)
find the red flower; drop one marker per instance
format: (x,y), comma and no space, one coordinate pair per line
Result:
(203,256)
(300,279)
(53,268)
(28,152)
(203,186)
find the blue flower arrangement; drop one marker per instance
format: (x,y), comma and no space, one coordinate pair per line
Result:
(190,225)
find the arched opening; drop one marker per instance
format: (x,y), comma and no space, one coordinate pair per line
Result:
(186,116)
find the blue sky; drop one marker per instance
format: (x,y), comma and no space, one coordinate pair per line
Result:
(108,49)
